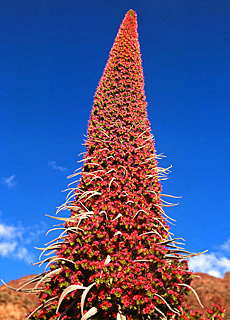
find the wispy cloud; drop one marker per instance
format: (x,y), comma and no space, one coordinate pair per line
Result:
(226,246)
(10,182)
(54,166)
(214,263)
(23,254)
(15,241)
(16,251)
(7,248)
(210,263)
(8,232)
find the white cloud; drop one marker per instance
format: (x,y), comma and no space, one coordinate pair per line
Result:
(215,264)
(54,166)
(226,245)
(10,182)
(7,231)
(16,251)
(15,241)
(23,254)
(215,273)
(7,248)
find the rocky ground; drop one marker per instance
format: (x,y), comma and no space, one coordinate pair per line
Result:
(14,305)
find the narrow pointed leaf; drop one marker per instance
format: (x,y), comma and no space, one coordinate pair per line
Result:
(84,296)
(67,291)
(89,313)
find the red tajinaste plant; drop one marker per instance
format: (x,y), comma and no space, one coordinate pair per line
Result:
(115,256)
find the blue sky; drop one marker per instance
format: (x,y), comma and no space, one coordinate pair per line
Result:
(52,57)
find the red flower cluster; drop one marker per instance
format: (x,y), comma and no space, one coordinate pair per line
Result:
(214,313)
(116,255)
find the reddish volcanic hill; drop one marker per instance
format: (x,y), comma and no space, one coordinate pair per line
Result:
(14,305)
(211,290)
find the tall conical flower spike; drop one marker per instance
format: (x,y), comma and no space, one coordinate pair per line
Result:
(115,257)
